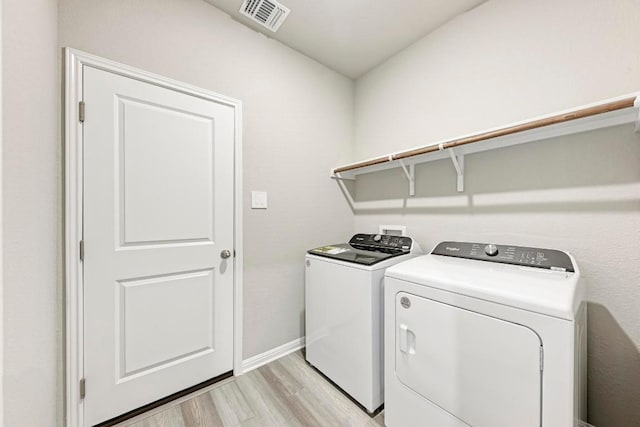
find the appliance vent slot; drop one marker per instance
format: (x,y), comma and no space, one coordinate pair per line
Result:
(268,13)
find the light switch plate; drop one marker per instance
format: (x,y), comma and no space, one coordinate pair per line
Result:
(258,200)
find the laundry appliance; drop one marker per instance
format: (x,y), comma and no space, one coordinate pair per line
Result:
(343,311)
(485,336)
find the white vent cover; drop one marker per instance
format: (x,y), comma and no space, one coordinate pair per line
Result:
(268,13)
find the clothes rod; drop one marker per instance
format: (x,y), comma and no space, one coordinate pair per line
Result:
(579,114)
(363,164)
(547,121)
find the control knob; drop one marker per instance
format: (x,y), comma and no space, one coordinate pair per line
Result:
(491,250)
(377,238)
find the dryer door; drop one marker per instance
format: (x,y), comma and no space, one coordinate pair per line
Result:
(482,370)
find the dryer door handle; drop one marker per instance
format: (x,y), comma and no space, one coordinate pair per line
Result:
(403,338)
(407,340)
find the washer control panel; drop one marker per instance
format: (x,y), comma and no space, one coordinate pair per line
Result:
(382,242)
(549,259)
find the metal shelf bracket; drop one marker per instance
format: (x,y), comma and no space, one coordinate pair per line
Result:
(411,177)
(636,104)
(458,163)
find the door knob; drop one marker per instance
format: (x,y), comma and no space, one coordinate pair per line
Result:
(225,254)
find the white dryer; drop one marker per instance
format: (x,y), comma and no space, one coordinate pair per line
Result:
(343,306)
(485,336)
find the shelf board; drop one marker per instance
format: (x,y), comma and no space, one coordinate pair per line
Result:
(618,111)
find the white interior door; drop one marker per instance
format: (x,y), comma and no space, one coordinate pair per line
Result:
(158,211)
(484,371)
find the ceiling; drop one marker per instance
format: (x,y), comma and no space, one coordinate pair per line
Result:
(353,36)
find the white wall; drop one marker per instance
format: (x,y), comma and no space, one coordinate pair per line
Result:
(505,61)
(298,119)
(31,218)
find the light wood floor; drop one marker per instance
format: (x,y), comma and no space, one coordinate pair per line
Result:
(286,392)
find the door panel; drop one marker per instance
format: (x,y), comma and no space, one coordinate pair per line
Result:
(483,370)
(153,335)
(158,210)
(149,160)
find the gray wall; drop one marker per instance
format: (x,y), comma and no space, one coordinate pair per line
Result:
(505,61)
(31,203)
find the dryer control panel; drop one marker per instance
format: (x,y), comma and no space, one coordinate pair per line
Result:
(549,259)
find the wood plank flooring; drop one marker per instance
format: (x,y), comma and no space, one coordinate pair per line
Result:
(285,392)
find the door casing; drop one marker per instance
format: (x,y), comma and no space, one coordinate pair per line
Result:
(75,60)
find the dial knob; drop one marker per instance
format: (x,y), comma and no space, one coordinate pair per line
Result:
(491,250)
(377,238)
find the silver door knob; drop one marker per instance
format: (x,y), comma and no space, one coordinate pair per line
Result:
(225,254)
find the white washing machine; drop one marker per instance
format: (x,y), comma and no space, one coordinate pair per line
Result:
(485,336)
(343,311)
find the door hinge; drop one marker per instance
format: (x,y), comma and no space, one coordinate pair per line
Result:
(81,108)
(541,358)
(81,250)
(83,388)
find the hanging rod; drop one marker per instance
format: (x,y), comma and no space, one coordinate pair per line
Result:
(579,114)
(363,164)
(509,130)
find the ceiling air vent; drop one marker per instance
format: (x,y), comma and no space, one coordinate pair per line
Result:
(267,13)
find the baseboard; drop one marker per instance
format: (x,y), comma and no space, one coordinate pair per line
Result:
(271,355)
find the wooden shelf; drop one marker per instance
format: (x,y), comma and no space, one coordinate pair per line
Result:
(600,115)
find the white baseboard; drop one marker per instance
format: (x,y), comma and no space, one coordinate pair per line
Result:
(271,355)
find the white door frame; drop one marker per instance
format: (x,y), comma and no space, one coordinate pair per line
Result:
(74,284)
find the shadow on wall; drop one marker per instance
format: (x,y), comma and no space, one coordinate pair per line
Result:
(589,171)
(614,372)
(303,324)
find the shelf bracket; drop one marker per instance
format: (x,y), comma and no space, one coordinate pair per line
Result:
(411,176)
(458,163)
